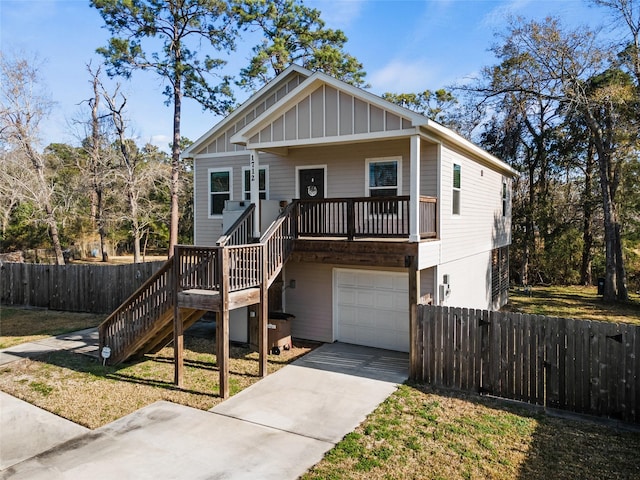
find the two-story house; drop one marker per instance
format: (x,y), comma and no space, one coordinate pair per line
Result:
(404,184)
(323,200)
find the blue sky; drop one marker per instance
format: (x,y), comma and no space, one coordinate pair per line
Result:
(404,45)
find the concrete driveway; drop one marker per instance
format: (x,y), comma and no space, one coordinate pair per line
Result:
(276,429)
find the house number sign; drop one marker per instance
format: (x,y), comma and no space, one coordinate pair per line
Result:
(253,168)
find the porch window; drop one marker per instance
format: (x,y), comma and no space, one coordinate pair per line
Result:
(220,181)
(384,180)
(263,181)
(456,189)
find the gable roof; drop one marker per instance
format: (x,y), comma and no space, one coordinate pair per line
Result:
(301,108)
(251,108)
(326,110)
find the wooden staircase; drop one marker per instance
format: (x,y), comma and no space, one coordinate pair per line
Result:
(232,270)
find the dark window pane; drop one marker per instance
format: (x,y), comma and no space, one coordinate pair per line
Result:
(219,182)
(456,202)
(456,176)
(217,203)
(383,174)
(384,192)
(262,182)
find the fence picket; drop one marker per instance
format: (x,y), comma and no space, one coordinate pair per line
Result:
(577,365)
(74,288)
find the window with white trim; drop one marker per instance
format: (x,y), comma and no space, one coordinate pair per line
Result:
(457,183)
(263,181)
(384,179)
(220,185)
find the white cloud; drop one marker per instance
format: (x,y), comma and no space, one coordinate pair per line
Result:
(161,141)
(496,18)
(338,13)
(402,76)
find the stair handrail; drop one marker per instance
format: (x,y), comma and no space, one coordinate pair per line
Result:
(240,232)
(159,284)
(277,241)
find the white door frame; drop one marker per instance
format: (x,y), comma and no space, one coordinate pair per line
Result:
(310,167)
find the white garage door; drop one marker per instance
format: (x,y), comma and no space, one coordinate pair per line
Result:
(372,308)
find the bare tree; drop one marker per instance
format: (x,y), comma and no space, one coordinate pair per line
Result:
(571,69)
(137,175)
(22,107)
(99,167)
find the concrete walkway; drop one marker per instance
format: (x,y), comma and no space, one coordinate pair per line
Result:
(82,341)
(276,429)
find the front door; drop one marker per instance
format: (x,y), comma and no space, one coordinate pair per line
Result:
(311,183)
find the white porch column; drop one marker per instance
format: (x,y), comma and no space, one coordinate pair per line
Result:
(414,190)
(254,178)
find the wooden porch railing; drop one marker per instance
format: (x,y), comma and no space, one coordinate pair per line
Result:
(241,232)
(428,220)
(200,268)
(373,217)
(138,314)
(278,242)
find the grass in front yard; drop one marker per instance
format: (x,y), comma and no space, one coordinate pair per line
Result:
(80,389)
(420,433)
(573,302)
(20,325)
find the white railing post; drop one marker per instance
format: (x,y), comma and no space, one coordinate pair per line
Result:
(414,190)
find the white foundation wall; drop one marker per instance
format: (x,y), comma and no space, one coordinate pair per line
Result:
(469,282)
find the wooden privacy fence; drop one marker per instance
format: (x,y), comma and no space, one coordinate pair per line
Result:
(577,365)
(72,288)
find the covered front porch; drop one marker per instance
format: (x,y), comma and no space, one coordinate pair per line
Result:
(348,218)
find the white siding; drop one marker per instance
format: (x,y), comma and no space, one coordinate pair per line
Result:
(311,301)
(326,112)
(480,227)
(469,281)
(221,143)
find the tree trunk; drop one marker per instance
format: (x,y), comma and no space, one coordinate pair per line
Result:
(614,261)
(55,236)
(621,273)
(586,277)
(135,224)
(174,186)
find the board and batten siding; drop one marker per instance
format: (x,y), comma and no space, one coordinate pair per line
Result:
(222,141)
(329,112)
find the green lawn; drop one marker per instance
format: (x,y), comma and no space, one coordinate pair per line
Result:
(422,433)
(21,325)
(573,302)
(419,433)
